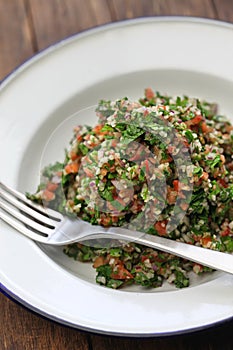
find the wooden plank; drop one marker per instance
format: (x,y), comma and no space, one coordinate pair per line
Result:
(21,329)
(224,9)
(100,10)
(55,19)
(15,36)
(202,340)
(123,9)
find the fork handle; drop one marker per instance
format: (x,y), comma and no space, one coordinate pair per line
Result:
(206,257)
(78,230)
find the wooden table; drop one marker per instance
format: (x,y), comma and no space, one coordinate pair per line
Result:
(27,26)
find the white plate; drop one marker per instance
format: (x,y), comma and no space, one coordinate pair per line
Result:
(173,55)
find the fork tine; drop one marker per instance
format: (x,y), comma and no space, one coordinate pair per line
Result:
(43,230)
(25,208)
(19,226)
(39,208)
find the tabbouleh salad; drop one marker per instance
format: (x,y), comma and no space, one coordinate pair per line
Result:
(127,170)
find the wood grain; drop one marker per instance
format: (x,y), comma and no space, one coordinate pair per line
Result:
(224,9)
(23,330)
(15,36)
(201,340)
(136,8)
(54,20)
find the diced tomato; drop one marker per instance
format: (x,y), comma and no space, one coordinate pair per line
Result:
(196,120)
(204,176)
(48,195)
(79,138)
(177,188)
(152,256)
(144,257)
(105,221)
(51,186)
(226,232)
(171,195)
(74,155)
(99,261)
(121,273)
(204,127)
(161,227)
(205,241)
(149,93)
(223,183)
(71,168)
(97,128)
(176,185)
(115,219)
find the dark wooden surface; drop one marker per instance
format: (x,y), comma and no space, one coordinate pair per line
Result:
(27,26)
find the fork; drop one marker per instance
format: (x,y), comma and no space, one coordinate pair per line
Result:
(48,226)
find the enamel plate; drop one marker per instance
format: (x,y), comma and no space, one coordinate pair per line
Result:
(40,103)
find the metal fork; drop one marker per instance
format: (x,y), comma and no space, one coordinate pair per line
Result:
(51,227)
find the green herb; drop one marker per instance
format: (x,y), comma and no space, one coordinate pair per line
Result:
(189,136)
(181,281)
(83,149)
(214,162)
(198,171)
